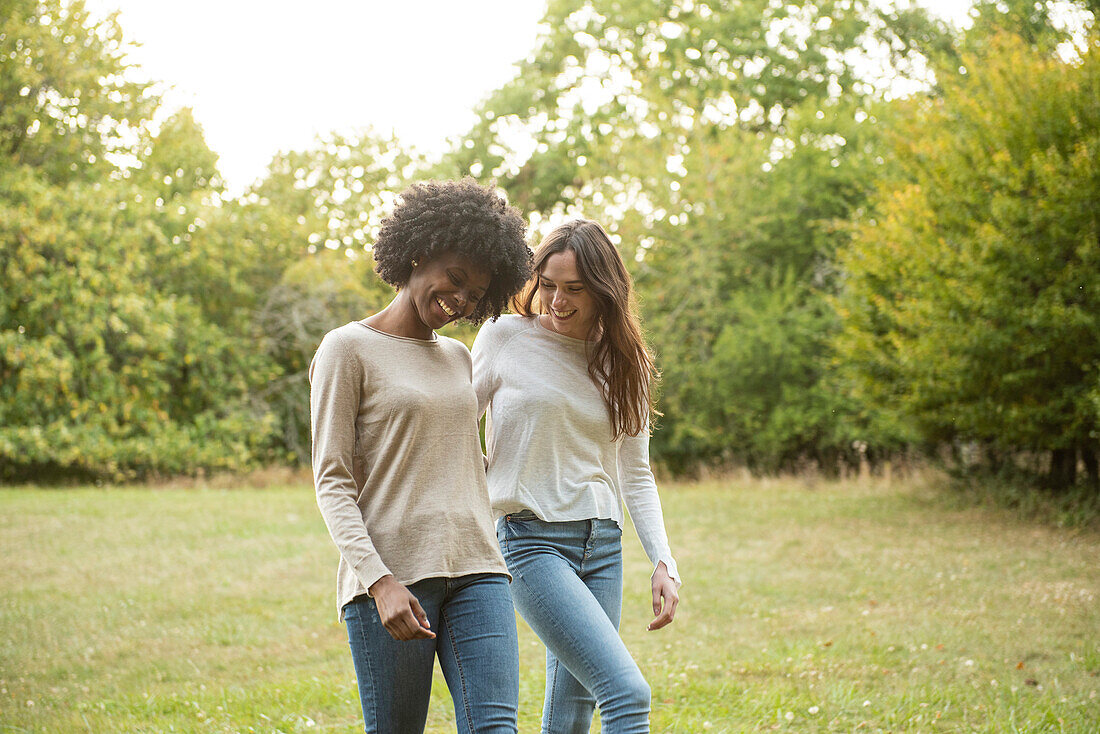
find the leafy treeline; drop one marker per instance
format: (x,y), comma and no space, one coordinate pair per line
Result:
(972,295)
(856,233)
(149,324)
(751,159)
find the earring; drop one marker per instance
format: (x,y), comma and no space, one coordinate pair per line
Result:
(415,263)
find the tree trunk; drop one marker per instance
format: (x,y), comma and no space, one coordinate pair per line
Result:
(1092,470)
(993,458)
(1063,469)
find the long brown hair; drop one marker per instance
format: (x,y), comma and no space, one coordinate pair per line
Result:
(618,360)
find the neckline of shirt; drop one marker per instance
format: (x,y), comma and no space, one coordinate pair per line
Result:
(570,340)
(434,341)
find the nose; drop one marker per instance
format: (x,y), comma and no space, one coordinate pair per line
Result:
(463,299)
(558,299)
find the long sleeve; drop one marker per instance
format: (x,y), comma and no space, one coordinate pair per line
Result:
(639,490)
(336,381)
(484,353)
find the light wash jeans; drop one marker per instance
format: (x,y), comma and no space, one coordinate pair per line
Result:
(567,582)
(475,639)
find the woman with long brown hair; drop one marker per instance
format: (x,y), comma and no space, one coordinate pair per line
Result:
(567,385)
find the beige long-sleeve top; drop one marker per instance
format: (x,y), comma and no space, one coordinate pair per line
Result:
(549,436)
(397,462)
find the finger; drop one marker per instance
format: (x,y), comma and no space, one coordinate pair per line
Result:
(656,600)
(403,626)
(416,628)
(423,630)
(409,630)
(662,619)
(396,632)
(420,614)
(398,628)
(666,615)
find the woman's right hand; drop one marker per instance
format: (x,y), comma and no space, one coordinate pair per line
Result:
(399,611)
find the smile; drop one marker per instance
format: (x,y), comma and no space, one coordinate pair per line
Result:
(562,314)
(446,309)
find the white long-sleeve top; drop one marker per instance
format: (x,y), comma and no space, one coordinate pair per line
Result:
(549,436)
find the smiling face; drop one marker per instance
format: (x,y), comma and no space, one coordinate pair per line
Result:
(567,301)
(445,289)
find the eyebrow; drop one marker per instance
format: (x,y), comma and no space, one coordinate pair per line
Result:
(567,282)
(466,276)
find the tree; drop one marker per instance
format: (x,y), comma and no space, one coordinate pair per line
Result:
(176,162)
(116,358)
(614,84)
(720,143)
(102,373)
(733,284)
(66,103)
(316,294)
(323,207)
(970,304)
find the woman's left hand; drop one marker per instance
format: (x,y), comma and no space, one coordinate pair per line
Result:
(665,598)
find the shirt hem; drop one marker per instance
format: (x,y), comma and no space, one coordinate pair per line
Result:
(499,570)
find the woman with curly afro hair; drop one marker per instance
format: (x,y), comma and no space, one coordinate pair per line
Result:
(399,473)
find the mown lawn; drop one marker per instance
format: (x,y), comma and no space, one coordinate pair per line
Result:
(832,607)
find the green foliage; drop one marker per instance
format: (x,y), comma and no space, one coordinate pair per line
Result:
(971,303)
(108,364)
(316,294)
(733,287)
(177,163)
(720,144)
(65,104)
(104,371)
(324,205)
(615,88)
(335,194)
(150,323)
(1042,24)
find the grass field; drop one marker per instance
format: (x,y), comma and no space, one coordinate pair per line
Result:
(808,608)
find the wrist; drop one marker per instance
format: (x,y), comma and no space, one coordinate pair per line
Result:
(381,585)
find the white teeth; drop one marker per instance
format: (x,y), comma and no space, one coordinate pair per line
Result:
(563,314)
(443,306)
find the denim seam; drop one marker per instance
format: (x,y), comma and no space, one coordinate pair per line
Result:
(371,672)
(550,706)
(461,670)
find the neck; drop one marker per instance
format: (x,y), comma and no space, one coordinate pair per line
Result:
(547,321)
(399,318)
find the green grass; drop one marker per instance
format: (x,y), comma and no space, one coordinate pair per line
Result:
(809,608)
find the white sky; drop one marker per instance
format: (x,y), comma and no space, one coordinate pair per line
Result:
(271,75)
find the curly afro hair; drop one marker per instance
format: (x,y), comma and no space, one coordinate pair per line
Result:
(457,216)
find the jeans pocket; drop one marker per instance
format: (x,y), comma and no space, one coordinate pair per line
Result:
(357,607)
(508,525)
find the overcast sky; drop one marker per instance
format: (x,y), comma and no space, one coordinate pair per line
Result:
(272,75)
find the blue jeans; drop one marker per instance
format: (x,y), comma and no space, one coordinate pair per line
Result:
(567,582)
(475,639)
